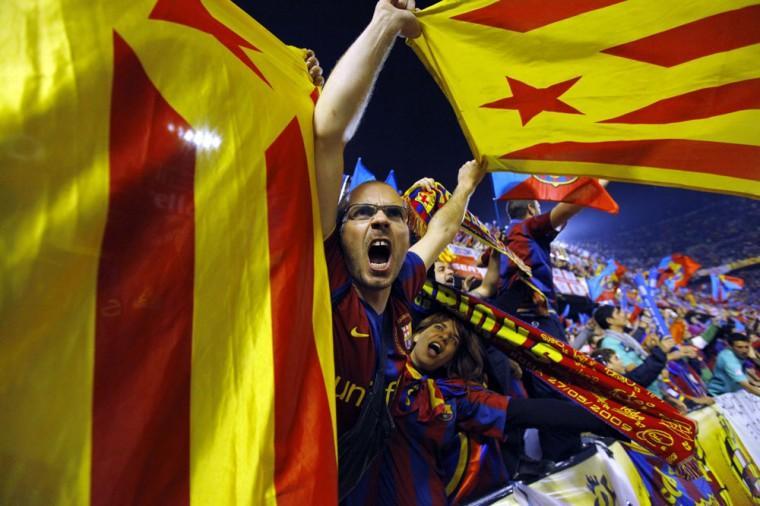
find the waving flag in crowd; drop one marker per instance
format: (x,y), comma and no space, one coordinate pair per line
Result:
(676,270)
(361,175)
(164,341)
(604,285)
(390,180)
(649,91)
(723,286)
(582,191)
(647,292)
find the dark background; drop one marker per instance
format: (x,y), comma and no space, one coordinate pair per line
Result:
(410,127)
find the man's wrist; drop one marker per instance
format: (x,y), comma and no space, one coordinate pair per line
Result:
(387,22)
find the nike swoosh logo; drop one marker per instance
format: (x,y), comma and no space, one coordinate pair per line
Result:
(356,333)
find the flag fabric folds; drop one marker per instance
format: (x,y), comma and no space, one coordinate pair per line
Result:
(582,191)
(676,270)
(163,340)
(723,286)
(642,91)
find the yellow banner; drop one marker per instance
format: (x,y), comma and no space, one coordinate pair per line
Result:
(626,90)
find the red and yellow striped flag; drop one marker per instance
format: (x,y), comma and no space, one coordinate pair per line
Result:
(165,333)
(665,93)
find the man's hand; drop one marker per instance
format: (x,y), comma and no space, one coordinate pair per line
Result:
(676,403)
(666,344)
(703,400)
(445,223)
(517,371)
(689,351)
(470,175)
(427,184)
(313,68)
(400,14)
(468,282)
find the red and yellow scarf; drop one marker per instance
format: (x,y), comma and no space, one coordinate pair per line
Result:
(623,404)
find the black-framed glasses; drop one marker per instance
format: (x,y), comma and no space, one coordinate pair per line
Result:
(364,212)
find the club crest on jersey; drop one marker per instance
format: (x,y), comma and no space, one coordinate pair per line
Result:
(404,322)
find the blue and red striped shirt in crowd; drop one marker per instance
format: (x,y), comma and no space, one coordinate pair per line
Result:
(445,447)
(530,240)
(357,330)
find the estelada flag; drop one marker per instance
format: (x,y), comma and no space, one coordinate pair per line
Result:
(582,191)
(676,270)
(647,91)
(163,340)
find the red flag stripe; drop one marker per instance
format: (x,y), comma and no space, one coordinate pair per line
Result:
(303,430)
(718,158)
(194,14)
(584,191)
(710,35)
(698,104)
(143,328)
(526,15)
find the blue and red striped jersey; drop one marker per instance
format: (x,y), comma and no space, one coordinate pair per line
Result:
(445,446)
(530,240)
(357,330)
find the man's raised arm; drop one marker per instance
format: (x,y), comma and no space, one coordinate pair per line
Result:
(445,223)
(346,93)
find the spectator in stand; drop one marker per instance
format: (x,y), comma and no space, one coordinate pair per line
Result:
(645,373)
(631,354)
(444,273)
(374,274)
(613,322)
(529,235)
(728,374)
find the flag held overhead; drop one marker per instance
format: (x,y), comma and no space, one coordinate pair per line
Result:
(645,91)
(582,191)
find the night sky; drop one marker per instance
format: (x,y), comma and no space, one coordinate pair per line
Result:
(410,127)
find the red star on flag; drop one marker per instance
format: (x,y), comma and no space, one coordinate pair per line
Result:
(530,101)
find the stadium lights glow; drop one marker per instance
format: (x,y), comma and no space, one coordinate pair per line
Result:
(202,138)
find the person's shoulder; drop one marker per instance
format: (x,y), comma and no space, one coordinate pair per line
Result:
(413,259)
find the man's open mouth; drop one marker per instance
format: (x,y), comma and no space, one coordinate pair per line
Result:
(379,254)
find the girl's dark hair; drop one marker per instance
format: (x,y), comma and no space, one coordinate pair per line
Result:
(468,362)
